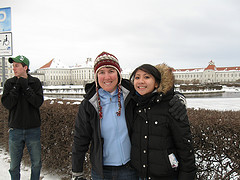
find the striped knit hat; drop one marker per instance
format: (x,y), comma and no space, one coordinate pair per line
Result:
(107,60)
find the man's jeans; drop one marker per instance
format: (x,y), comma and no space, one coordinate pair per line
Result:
(116,173)
(17,140)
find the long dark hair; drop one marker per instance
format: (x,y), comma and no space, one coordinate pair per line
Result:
(150,69)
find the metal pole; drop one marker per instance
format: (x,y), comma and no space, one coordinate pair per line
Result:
(3,71)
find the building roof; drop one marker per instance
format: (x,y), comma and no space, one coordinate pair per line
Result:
(87,64)
(48,65)
(58,64)
(237,68)
(211,66)
(54,64)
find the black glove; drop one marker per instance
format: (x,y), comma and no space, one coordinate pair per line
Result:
(24,83)
(17,86)
(78,176)
(178,107)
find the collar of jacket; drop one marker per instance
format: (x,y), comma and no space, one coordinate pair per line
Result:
(145,100)
(30,79)
(91,95)
(155,97)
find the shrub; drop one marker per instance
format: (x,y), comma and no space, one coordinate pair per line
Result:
(216,138)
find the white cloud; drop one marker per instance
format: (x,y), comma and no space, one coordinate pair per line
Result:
(181,33)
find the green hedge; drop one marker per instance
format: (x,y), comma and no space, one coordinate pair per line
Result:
(216,138)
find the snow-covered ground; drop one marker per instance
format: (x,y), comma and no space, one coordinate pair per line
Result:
(206,103)
(25,171)
(221,104)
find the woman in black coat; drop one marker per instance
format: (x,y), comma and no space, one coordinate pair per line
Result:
(161,145)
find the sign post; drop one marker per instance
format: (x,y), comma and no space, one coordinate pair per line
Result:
(5,38)
(6,44)
(3,71)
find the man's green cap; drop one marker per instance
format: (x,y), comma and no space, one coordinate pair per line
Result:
(19,59)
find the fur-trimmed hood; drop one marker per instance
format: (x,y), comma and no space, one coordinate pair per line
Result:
(167,78)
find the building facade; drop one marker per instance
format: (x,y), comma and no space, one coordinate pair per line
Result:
(82,75)
(8,70)
(210,74)
(55,76)
(55,73)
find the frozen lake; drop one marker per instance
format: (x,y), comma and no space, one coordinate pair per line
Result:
(214,103)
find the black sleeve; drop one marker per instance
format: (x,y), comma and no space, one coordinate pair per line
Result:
(34,94)
(82,137)
(183,142)
(11,93)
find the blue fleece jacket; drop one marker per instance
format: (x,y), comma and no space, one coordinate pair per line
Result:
(117,146)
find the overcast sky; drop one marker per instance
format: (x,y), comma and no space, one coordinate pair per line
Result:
(181,33)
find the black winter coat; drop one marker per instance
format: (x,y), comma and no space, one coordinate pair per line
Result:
(156,135)
(23,104)
(87,128)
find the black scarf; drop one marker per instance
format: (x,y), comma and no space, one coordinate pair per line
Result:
(145,99)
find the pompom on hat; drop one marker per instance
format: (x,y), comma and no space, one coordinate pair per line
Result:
(106,59)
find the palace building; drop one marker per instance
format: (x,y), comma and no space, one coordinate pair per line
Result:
(210,74)
(56,73)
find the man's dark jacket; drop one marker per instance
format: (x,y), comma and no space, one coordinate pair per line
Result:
(23,104)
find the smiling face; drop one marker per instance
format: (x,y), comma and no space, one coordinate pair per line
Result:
(19,70)
(144,83)
(108,78)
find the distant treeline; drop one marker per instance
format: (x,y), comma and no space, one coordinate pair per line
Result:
(194,87)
